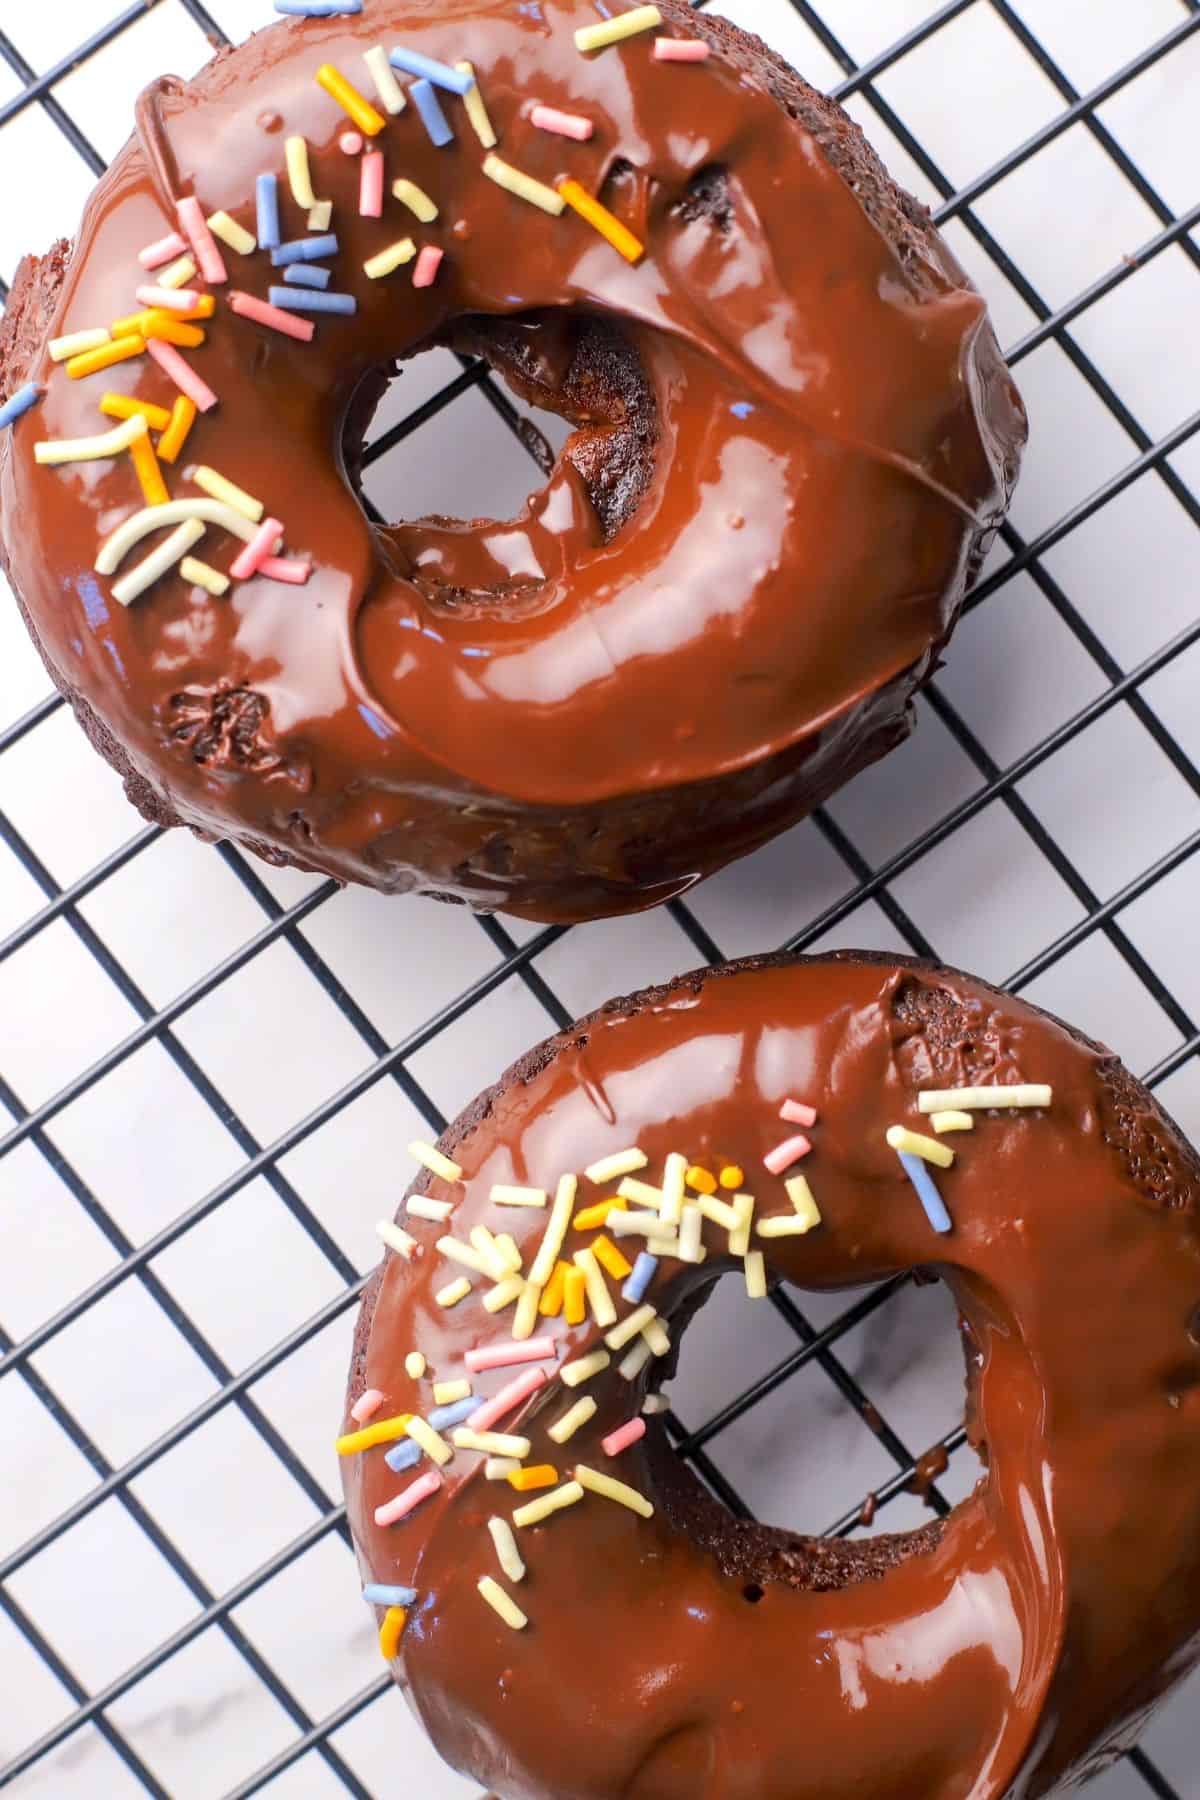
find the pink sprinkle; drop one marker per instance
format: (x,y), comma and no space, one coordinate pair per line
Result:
(504,1356)
(181,373)
(289,569)
(367,1405)
(509,1397)
(173,299)
(681,49)
(350,142)
(619,1440)
(572,125)
(796,1113)
(256,552)
(427,266)
(248,307)
(784,1155)
(204,244)
(423,1488)
(370,185)
(165,251)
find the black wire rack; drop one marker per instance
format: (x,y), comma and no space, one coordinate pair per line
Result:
(521,957)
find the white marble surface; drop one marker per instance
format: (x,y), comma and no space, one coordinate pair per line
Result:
(275,1046)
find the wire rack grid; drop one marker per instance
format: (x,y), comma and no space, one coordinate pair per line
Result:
(207,1066)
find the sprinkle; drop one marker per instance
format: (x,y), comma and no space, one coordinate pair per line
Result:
(502,1603)
(383,1431)
(502,1195)
(416,200)
(309,249)
(644,1271)
(541,1475)
(432,117)
(389,260)
(201,575)
(364,1408)
(320,215)
(563,124)
(674,1176)
(701,1180)
(657,1336)
(629,1327)
(179,274)
(112,553)
(599,1298)
(797,1113)
(204,245)
(387,89)
(414,1366)
(785,1225)
(801,1197)
(318,9)
(307,275)
(537,1510)
(574,1374)
(667,1246)
(18,404)
(299,175)
(599,37)
(952,1121)
(92,361)
(403,1457)
(425,1434)
(266,195)
(353,104)
(378,1593)
(491,1443)
(154,488)
(927,1193)
(574,1297)
(756,1275)
(784,1155)
(370,185)
(556,1230)
(422,1489)
(431,1158)
(720,1212)
(442,1418)
(261,545)
(503,1294)
(183,417)
(690,1229)
(523,186)
(681,50)
(230,232)
(77,343)
(291,570)
(564,1429)
(739,1238)
(428,264)
(610,1258)
(551,1302)
(395,1238)
(477,112)
(590,1218)
(155,255)
(178,300)
(453,1292)
(656,1403)
(506,1356)
(502,1468)
(182,374)
(980,1099)
(634,1224)
(611,1168)
(350,143)
(623,1437)
(604,1485)
(635,1361)
(643,1192)
(513,1394)
(391,1631)
(223,490)
(160,561)
(411,62)
(507,1554)
(731,1176)
(526,1316)
(913,1144)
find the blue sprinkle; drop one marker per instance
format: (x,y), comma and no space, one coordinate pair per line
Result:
(266,190)
(378,1593)
(301,300)
(644,1271)
(403,1456)
(927,1194)
(318,9)
(307,275)
(432,116)
(443,1417)
(19,405)
(741,409)
(411,62)
(313,249)
(95,610)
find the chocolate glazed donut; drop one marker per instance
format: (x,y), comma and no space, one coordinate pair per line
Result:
(1012,1647)
(795,438)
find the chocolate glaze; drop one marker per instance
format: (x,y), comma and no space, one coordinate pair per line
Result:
(1000,1652)
(795,438)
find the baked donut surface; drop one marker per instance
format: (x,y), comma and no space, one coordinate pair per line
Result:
(1006,1650)
(794,439)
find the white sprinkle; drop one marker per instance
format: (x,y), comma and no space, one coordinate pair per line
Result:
(643,1192)
(396,1239)
(553,1502)
(386,86)
(445,1393)
(503,1294)
(526,1316)
(690,1228)
(502,1603)
(484,1245)
(453,1293)
(983,1099)
(414,1365)
(434,1161)
(160,562)
(786,1225)
(739,1238)
(801,1197)
(613,1490)
(599,1298)
(491,1443)
(952,1121)
(719,1211)
(756,1275)
(463,1253)
(571,1421)
(634,1361)
(574,1374)
(657,1336)
(628,1329)
(507,1554)
(499,1468)
(77,342)
(431,1442)
(320,215)
(420,1206)
(668,1246)
(556,1231)
(503,1195)
(633,1224)
(507,1247)
(656,1403)
(674,1174)
(611,1168)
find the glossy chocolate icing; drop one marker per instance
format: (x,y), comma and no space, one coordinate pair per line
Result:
(998,1653)
(737,575)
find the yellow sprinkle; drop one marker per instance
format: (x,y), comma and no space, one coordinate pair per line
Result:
(590,1218)
(503,1294)
(595,1483)
(414,1365)
(507,1246)
(537,1510)
(610,1258)
(145,463)
(785,1225)
(387,88)
(657,1336)
(640,1191)
(77,344)
(92,361)
(913,1144)
(299,178)
(630,1326)
(389,260)
(701,1180)
(416,200)
(157,322)
(119,406)
(503,1195)
(402,1242)
(526,1316)
(574,1297)
(756,1275)
(179,274)
(446,1393)
(551,1302)
(572,1420)
(432,1159)
(183,417)
(507,1554)
(496,1264)
(233,234)
(598,37)
(732,1176)
(320,215)
(631,1366)
(739,1238)
(453,1292)
(523,186)
(574,1374)
(599,1298)
(602,221)
(469,1258)
(719,1211)
(391,1631)
(369,122)
(526,1481)
(983,1099)
(383,1431)
(952,1121)
(211,483)
(491,1443)
(671,1200)
(431,1442)
(556,1230)
(801,1197)
(202,575)
(477,111)
(111,443)
(502,1603)
(611,1168)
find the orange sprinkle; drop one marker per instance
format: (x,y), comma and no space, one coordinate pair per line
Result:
(120,350)
(574,1297)
(156,322)
(551,1302)
(732,1176)
(701,1180)
(610,1258)
(183,417)
(601,220)
(542,1475)
(154,488)
(391,1631)
(592,1217)
(119,406)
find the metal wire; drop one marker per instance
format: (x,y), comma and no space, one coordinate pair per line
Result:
(1150,459)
